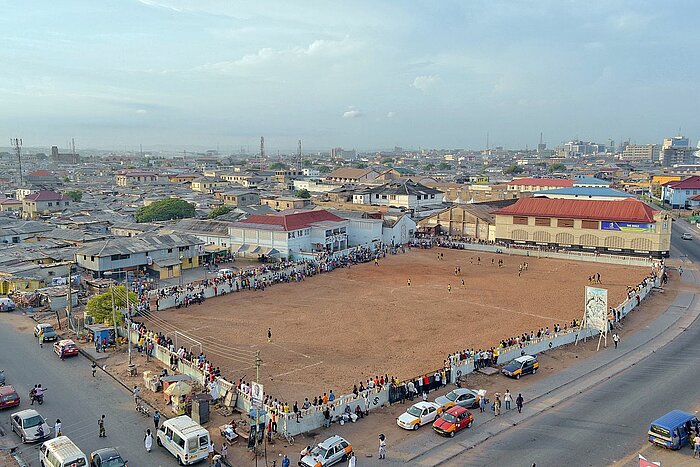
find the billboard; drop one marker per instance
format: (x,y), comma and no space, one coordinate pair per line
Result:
(627,226)
(596,308)
(256,394)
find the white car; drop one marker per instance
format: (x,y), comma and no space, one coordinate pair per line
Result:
(418,415)
(687,236)
(26,424)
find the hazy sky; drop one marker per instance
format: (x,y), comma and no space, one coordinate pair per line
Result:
(364,73)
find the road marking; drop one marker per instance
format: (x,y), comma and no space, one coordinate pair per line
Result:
(297,369)
(291,351)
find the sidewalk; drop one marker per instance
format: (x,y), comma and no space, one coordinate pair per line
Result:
(427,448)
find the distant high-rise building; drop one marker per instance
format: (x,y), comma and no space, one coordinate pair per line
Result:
(640,153)
(65,158)
(340,153)
(677,151)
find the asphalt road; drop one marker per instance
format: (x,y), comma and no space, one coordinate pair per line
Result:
(606,424)
(75,397)
(686,250)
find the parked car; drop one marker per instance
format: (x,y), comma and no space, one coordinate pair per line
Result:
(49,332)
(455,419)
(26,424)
(329,452)
(6,304)
(418,415)
(8,397)
(687,236)
(67,346)
(462,397)
(521,366)
(107,457)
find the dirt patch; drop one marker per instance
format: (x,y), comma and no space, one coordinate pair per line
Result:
(336,329)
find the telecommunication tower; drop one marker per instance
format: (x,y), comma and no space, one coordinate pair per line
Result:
(299,158)
(16,143)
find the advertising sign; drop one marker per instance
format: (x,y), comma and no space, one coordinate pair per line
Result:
(256,394)
(596,308)
(627,226)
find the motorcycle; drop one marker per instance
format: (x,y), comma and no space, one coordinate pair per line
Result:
(142,409)
(36,398)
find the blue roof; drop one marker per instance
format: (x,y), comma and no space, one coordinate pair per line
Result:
(590,181)
(585,191)
(673,418)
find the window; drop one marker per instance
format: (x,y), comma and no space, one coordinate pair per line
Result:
(543,221)
(519,220)
(432,196)
(376,196)
(170,250)
(92,258)
(592,225)
(51,204)
(119,257)
(568,223)
(179,441)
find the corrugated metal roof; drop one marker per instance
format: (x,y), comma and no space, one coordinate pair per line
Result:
(529,181)
(629,210)
(585,191)
(295,221)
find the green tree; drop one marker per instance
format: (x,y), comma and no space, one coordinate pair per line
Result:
(514,169)
(557,167)
(324,169)
(429,167)
(387,160)
(303,193)
(307,163)
(220,211)
(100,306)
(443,166)
(75,195)
(66,179)
(165,210)
(360,165)
(278,166)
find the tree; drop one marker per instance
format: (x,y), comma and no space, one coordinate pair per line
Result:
(66,179)
(220,211)
(324,169)
(278,166)
(557,167)
(100,305)
(360,165)
(514,169)
(303,193)
(165,210)
(307,163)
(387,160)
(429,167)
(75,195)
(443,166)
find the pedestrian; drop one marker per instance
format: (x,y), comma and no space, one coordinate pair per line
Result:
(519,402)
(224,452)
(57,428)
(94,368)
(269,335)
(462,283)
(327,417)
(409,281)
(148,441)
(597,278)
(285,461)
(136,394)
(449,288)
(507,398)
(217,461)
(497,405)
(101,424)
(382,446)
(41,338)
(696,446)
(352,459)
(304,452)
(156,419)
(211,453)
(616,339)
(482,404)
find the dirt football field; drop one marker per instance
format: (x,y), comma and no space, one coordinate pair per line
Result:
(336,329)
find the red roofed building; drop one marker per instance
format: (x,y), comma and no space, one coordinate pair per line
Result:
(619,227)
(289,233)
(43,203)
(525,185)
(678,193)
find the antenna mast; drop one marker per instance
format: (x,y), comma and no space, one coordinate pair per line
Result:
(299,158)
(262,153)
(16,143)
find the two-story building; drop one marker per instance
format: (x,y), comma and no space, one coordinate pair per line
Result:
(162,255)
(44,203)
(135,177)
(289,234)
(282,203)
(352,175)
(207,184)
(628,227)
(407,194)
(528,185)
(678,193)
(183,177)
(240,197)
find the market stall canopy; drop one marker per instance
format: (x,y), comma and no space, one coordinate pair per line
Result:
(178,389)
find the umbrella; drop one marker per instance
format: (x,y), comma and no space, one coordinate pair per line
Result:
(178,389)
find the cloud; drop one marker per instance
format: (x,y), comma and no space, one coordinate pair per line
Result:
(353,114)
(141,111)
(631,21)
(425,82)
(391,115)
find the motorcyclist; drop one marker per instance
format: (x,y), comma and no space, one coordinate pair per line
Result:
(39,394)
(32,394)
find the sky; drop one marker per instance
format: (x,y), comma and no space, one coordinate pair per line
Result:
(366,74)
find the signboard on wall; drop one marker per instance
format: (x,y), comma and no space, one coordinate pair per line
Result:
(256,394)
(627,226)
(596,309)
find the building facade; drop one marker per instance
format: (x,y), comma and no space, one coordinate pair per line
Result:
(677,193)
(640,153)
(526,185)
(135,177)
(43,203)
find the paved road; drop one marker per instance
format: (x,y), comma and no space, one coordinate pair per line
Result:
(606,424)
(74,397)
(687,250)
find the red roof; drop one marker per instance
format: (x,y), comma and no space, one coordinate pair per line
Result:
(628,210)
(294,221)
(41,173)
(692,198)
(558,182)
(690,183)
(45,196)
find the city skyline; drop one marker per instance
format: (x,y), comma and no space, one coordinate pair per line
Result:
(174,74)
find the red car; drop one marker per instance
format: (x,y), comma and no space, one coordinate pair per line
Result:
(67,347)
(8,397)
(454,419)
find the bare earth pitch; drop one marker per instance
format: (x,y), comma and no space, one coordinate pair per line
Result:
(336,329)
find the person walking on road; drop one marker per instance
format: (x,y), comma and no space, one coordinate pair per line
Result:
(497,405)
(41,338)
(616,339)
(482,404)
(101,424)
(148,441)
(352,460)
(269,335)
(156,419)
(94,368)
(136,394)
(285,461)
(507,398)
(57,428)
(519,402)
(696,446)
(382,446)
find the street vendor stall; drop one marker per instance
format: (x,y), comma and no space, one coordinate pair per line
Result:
(179,396)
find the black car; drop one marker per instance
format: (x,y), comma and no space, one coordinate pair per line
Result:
(107,457)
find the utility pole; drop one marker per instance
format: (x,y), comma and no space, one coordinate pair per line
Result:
(128,314)
(114,314)
(258,362)
(70,297)
(16,143)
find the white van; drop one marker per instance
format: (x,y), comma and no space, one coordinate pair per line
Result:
(6,304)
(185,439)
(224,272)
(61,452)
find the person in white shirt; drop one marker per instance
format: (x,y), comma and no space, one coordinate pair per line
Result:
(57,428)
(351,460)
